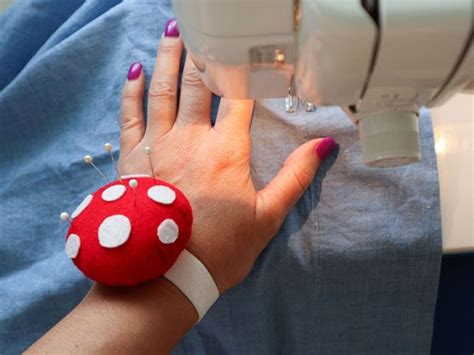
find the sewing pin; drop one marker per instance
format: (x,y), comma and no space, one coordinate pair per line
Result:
(64,216)
(133,184)
(148,152)
(88,160)
(108,148)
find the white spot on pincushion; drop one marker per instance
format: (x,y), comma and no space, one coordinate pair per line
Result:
(73,244)
(113,193)
(168,231)
(114,231)
(162,194)
(83,205)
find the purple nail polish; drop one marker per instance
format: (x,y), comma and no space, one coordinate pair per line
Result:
(134,71)
(171,28)
(325,147)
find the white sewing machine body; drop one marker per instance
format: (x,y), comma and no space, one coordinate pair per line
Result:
(379,60)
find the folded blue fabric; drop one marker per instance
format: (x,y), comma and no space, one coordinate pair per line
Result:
(353,270)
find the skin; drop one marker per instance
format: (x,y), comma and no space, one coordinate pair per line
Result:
(233,222)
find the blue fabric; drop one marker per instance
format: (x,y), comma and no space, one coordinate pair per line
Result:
(354,269)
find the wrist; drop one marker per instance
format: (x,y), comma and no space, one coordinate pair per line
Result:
(224,273)
(156,311)
(187,314)
(151,297)
(150,318)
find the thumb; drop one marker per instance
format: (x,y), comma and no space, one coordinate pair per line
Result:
(276,199)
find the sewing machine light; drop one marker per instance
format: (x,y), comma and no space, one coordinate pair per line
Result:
(279,57)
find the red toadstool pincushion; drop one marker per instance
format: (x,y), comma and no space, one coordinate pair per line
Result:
(129,231)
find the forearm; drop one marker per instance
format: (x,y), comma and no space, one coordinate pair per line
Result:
(147,319)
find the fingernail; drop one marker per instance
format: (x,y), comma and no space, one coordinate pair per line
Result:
(325,147)
(134,71)
(171,28)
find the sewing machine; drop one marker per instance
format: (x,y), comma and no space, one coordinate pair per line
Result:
(380,60)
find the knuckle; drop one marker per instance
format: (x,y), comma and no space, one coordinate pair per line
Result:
(162,90)
(192,78)
(168,48)
(130,95)
(226,158)
(130,121)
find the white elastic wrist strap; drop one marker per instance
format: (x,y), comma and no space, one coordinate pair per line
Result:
(191,277)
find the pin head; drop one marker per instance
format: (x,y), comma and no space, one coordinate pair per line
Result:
(133,183)
(108,147)
(87,159)
(147,150)
(64,216)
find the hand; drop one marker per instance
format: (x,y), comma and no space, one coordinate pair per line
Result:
(211,164)
(232,221)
